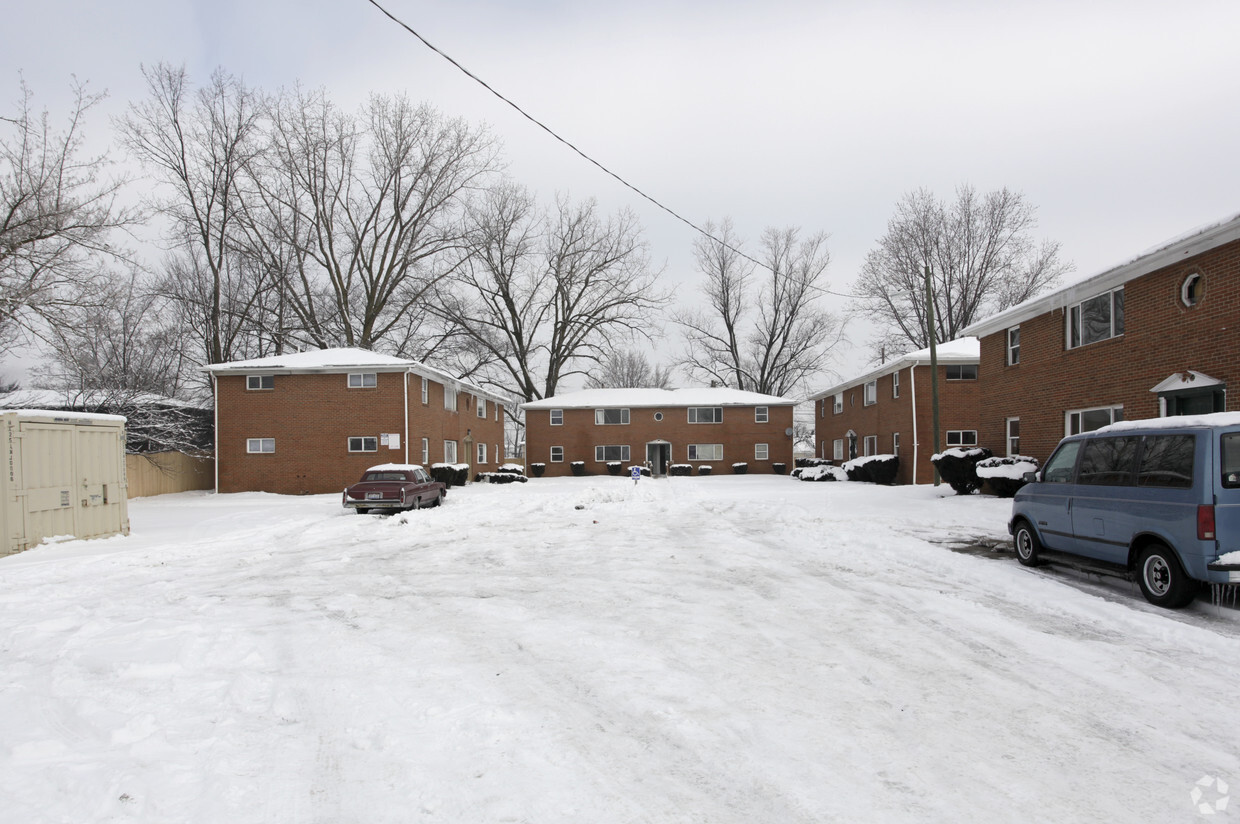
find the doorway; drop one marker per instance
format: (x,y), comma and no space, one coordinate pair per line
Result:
(658,456)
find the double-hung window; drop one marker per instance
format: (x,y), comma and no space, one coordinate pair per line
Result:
(1013,346)
(761,452)
(705,414)
(761,414)
(363,380)
(482,407)
(557,417)
(426,450)
(611,417)
(426,391)
(1098,318)
(482,453)
(557,454)
(837,449)
(449,452)
(871,393)
(449,400)
(616,452)
(837,405)
(895,384)
(870,445)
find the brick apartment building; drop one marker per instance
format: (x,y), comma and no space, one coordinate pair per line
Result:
(312,422)
(888,410)
(714,427)
(1157,335)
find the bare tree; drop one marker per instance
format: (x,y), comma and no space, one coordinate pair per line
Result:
(57,213)
(544,296)
(981,256)
(628,368)
(200,145)
(772,341)
(363,213)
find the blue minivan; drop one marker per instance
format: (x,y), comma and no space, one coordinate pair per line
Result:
(1159,497)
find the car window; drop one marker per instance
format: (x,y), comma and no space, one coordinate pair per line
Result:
(1230,449)
(1059,469)
(1167,460)
(1108,461)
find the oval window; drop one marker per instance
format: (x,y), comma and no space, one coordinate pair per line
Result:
(1190,291)
(658,416)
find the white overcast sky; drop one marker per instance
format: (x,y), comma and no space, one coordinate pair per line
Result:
(1120,121)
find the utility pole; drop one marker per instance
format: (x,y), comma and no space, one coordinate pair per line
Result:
(934,369)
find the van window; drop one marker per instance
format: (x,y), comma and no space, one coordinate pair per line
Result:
(1167,461)
(1109,461)
(1060,467)
(1230,450)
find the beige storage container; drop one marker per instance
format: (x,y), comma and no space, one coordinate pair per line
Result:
(63,474)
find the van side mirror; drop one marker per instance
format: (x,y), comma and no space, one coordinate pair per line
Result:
(1032,477)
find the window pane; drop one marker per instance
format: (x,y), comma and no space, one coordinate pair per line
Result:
(1096,319)
(1095,419)
(1168,461)
(760,452)
(1108,461)
(1231,460)
(1059,469)
(557,454)
(1118,314)
(761,414)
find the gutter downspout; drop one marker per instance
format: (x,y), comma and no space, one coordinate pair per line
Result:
(215,396)
(912,379)
(406,417)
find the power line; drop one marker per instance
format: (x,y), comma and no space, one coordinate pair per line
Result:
(578,151)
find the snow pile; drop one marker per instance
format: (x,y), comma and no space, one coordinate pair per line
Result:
(1013,467)
(959,452)
(822,472)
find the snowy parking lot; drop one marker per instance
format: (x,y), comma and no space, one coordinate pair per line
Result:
(740,649)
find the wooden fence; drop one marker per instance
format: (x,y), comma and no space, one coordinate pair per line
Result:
(158,473)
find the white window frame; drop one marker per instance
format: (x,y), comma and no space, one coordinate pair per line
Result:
(449,400)
(600,416)
(556,413)
(482,453)
(869,445)
(895,444)
(1009,437)
(363,443)
(600,452)
(449,452)
(870,393)
(1075,337)
(481,403)
(761,452)
(895,384)
(552,456)
(426,450)
(761,414)
(259,446)
(960,369)
(837,405)
(715,414)
(1079,414)
(256,382)
(1191,290)
(961,436)
(363,380)
(837,449)
(426,391)
(704,452)
(1013,349)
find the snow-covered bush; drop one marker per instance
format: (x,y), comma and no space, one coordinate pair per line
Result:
(705,469)
(779,468)
(450,474)
(1006,475)
(740,468)
(499,478)
(538,469)
(876,469)
(680,469)
(958,467)
(804,462)
(578,468)
(822,472)
(613,467)
(511,469)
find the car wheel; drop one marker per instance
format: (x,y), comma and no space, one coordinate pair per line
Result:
(361,510)
(417,502)
(1027,545)
(1162,579)
(439,499)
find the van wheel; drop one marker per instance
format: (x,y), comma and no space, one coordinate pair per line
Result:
(1027,546)
(1162,579)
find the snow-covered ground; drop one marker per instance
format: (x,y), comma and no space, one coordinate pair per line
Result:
(743,649)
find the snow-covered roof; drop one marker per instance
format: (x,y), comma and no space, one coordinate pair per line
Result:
(700,396)
(344,359)
(1191,243)
(65,399)
(69,417)
(960,350)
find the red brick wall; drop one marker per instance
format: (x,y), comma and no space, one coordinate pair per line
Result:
(958,410)
(738,433)
(312,416)
(1161,337)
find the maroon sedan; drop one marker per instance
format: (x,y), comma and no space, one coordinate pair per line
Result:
(394,486)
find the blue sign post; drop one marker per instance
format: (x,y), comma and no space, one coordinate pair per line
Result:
(636,472)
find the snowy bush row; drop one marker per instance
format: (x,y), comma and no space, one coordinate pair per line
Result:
(499,478)
(958,467)
(877,469)
(450,474)
(821,472)
(1006,475)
